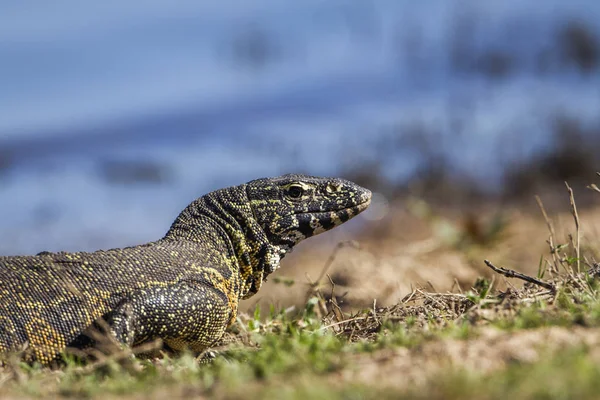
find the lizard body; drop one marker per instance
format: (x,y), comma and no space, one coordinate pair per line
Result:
(184,288)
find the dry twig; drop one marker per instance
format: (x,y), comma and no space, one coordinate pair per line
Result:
(593,186)
(553,249)
(577,225)
(509,273)
(333,255)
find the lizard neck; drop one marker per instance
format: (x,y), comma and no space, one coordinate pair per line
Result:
(254,257)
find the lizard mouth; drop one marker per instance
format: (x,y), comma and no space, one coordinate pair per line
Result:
(360,207)
(357,208)
(313,223)
(365,198)
(364,205)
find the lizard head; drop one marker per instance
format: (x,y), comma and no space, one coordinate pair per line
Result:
(265,218)
(292,208)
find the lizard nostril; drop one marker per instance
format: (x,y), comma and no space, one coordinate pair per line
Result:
(333,188)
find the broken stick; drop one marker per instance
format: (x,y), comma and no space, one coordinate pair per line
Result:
(509,273)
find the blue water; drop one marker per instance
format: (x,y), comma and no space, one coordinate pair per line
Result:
(222,92)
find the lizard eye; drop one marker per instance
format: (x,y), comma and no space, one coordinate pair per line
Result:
(295,191)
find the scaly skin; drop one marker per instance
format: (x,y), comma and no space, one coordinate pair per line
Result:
(184,288)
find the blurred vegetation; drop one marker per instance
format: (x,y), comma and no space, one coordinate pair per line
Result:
(570,153)
(573,46)
(579,46)
(127,172)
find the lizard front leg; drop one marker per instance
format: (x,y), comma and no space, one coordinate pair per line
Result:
(189,315)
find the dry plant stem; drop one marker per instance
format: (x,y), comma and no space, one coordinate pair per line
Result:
(409,296)
(457,285)
(577,226)
(337,311)
(509,273)
(594,186)
(374,310)
(545,214)
(345,321)
(431,286)
(314,285)
(332,257)
(555,262)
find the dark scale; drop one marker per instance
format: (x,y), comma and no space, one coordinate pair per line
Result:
(184,288)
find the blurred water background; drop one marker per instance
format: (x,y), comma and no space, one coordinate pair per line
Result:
(115,115)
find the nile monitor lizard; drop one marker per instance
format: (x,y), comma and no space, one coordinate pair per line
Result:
(184,288)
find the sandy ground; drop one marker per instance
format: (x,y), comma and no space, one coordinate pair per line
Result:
(492,350)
